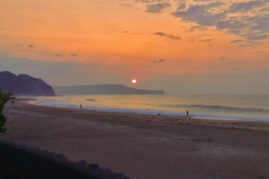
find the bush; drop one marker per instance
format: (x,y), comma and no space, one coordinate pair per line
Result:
(4,98)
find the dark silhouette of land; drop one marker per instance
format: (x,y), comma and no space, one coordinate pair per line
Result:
(103,89)
(24,85)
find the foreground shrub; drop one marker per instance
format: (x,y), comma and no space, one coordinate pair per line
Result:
(4,98)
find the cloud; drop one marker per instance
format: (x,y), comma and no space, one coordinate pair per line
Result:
(244,18)
(231,64)
(223,58)
(259,23)
(200,14)
(159,61)
(236,41)
(162,34)
(58,55)
(181,6)
(30,45)
(229,61)
(232,25)
(158,7)
(249,19)
(246,6)
(257,36)
(74,55)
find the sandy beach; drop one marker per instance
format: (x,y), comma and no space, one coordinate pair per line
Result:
(145,146)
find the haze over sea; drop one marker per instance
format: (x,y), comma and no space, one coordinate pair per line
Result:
(237,107)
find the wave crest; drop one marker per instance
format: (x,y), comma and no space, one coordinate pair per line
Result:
(223,108)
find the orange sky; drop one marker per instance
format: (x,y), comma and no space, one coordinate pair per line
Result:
(129,37)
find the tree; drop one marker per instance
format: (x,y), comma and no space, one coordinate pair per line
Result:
(4,98)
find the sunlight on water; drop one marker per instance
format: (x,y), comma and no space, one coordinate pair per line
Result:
(222,107)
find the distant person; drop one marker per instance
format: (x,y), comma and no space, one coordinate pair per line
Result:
(80,106)
(187,112)
(13,103)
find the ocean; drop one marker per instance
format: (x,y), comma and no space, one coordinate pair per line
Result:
(233,107)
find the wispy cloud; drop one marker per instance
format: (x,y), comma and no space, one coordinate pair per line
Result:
(158,7)
(200,14)
(236,41)
(159,61)
(246,6)
(231,64)
(162,34)
(58,55)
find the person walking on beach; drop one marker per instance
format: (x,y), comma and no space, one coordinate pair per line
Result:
(187,112)
(13,102)
(80,106)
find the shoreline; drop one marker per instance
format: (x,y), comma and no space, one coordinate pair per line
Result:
(176,119)
(193,114)
(144,146)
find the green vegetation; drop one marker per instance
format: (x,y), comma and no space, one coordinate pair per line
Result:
(4,98)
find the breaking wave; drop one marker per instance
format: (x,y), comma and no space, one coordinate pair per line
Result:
(221,108)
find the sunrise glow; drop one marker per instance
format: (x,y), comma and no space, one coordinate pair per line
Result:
(181,46)
(134,81)
(148,88)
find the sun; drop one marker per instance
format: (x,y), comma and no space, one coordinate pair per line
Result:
(134,81)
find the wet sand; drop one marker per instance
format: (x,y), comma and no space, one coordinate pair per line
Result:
(145,146)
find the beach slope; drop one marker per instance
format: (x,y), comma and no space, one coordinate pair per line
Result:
(144,146)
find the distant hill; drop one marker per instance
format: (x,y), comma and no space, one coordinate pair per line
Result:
(24,85)
(103,89)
